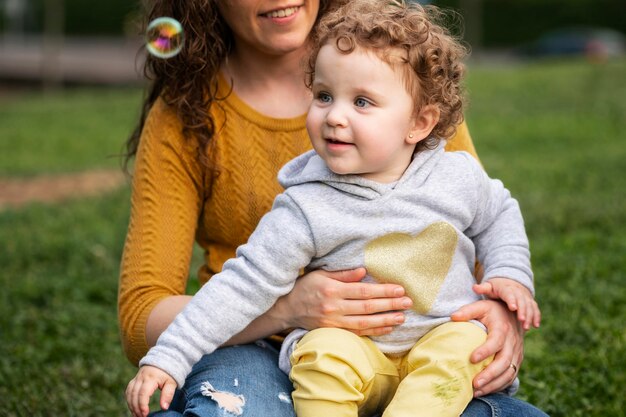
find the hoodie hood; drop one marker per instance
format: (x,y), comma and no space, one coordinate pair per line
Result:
(311,168)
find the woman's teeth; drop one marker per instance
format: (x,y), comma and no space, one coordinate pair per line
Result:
(282,13)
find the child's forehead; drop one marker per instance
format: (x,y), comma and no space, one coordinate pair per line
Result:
(361,69)
(391,55)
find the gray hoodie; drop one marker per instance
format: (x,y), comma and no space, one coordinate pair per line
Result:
(422,232)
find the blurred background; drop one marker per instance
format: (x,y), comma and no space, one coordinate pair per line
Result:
(57,42)
(547,112)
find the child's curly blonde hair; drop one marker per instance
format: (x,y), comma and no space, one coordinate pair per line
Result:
(430,58)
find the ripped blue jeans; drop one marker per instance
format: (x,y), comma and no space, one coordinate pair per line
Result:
(501,405)
(245,381)
(242,380)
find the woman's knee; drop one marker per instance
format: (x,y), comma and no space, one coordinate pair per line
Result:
(242,380)
(258,354)
(500,405)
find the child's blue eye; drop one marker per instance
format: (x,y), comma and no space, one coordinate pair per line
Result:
(324,97)
(361,102)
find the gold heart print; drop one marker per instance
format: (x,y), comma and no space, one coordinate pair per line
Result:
(419,263)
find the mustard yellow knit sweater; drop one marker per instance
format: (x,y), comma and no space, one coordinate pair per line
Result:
(170,208)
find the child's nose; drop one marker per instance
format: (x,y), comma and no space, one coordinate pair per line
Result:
(336,116)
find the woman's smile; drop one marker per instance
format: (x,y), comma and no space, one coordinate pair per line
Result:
(271,27)
(282,13)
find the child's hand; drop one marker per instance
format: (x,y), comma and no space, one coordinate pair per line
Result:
(143,385)
(516,296)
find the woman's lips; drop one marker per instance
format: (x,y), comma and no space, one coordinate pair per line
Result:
(286,12)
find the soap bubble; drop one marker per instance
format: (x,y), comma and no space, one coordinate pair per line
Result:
(164,37)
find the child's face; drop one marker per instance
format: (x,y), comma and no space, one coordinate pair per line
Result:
(361,115)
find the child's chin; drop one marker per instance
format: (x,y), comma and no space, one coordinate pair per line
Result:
(341,171)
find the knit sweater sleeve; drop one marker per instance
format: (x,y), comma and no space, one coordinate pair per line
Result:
(265,269)
(165,202)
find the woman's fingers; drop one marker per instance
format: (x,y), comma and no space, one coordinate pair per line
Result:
(496,368)
(347,275)
(366,291)
(495,343)
(366,324)
(504,340)
(366,308)
(367,317)
(351,306)
(473,311)
(356,290)
(369,309)
(338,299)
(500,373)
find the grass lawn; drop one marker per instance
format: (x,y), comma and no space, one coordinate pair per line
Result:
(67,131)
(553,132)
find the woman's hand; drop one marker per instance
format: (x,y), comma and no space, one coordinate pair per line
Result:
(505,340)
(337,299)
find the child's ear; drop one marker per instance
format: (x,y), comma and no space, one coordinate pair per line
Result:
(423,123)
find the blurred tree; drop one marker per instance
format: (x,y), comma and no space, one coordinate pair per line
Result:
(15,16)
(85,18)
(512,22)
(489,23)
(53,29)
(473,14)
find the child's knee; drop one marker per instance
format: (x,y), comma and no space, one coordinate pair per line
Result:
(333,352)
(327,345)
(455,336)
(453,341)
(329,338)
(468,337)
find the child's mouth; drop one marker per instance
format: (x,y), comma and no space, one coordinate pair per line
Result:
(337,142)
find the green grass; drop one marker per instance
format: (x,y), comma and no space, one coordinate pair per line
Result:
(59,351)
(67,131)
(553,132)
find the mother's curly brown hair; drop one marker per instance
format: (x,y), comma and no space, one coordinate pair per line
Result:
(187,81)
(431,59)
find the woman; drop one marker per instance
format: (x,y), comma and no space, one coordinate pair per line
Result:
(220,119)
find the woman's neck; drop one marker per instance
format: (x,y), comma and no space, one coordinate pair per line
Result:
(272,85)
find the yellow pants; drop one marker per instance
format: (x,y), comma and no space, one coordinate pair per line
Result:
(338,374)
